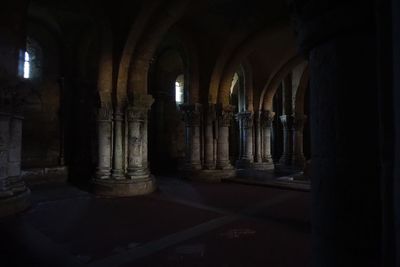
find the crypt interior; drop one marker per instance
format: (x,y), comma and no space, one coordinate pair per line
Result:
(199,133)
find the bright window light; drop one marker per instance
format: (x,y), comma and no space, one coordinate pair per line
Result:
(234,82)
(27,66)
(179,94)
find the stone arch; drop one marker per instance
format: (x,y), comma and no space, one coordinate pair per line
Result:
(167,66)
(134,35)
(145,49)
(221,63)
(239,57)
(273,83)
(105,74)
(182,42)
(249,87)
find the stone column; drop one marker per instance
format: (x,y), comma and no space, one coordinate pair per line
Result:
(137,179)
(192,117)
(145,145)
(138,138)
(135,168)
(225,116)
(209,159)
(286,158)
(259,143)
(298,159)
(345,170)
(118,158)
(266,125)
(104,128)
(14,155)
(246,123)
(5,188)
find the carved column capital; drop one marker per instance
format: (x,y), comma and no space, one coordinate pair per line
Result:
(105,113)
(287,121)
(247,118)
(266,118)
(191,114)
(143,101)
(225,115)
(119,113)
(210,113)
(136,114)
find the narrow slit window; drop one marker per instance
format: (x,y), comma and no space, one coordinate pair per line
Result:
(179,90)
(27,66)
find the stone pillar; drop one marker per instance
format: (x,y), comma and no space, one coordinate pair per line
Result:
(145,143)
(5,188)
(118,158)
(345,171)
(259,143)
(192,117)
(135,116)
(298,159)
(286,158)
(225,116)
(137,179)
(266,125)
(246,126)
(14,155)
(14,195)
(104,128)
(209,159)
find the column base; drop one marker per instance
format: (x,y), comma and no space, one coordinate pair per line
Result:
(286,169)
(117,174)
(17,184)
(210,176)
(244,164)
(209,166)
(299,163)
(103,174)
(137,174)
(225,165)
(57,174)
(125,187)
(192,166)
(263,166)
(285,160)
(15,204)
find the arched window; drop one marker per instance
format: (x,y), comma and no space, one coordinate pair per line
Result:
(179,90)
(30,65)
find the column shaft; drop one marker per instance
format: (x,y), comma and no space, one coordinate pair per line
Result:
(14,156)
(246,139)
(224,121)
(298,159)
(286,158)
(192,117)
(266,123)
(209,159)
(5,190)
(135,160)
(104,125)
(118,166)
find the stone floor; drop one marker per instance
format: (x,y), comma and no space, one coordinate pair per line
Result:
(182,224)
(270,178)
